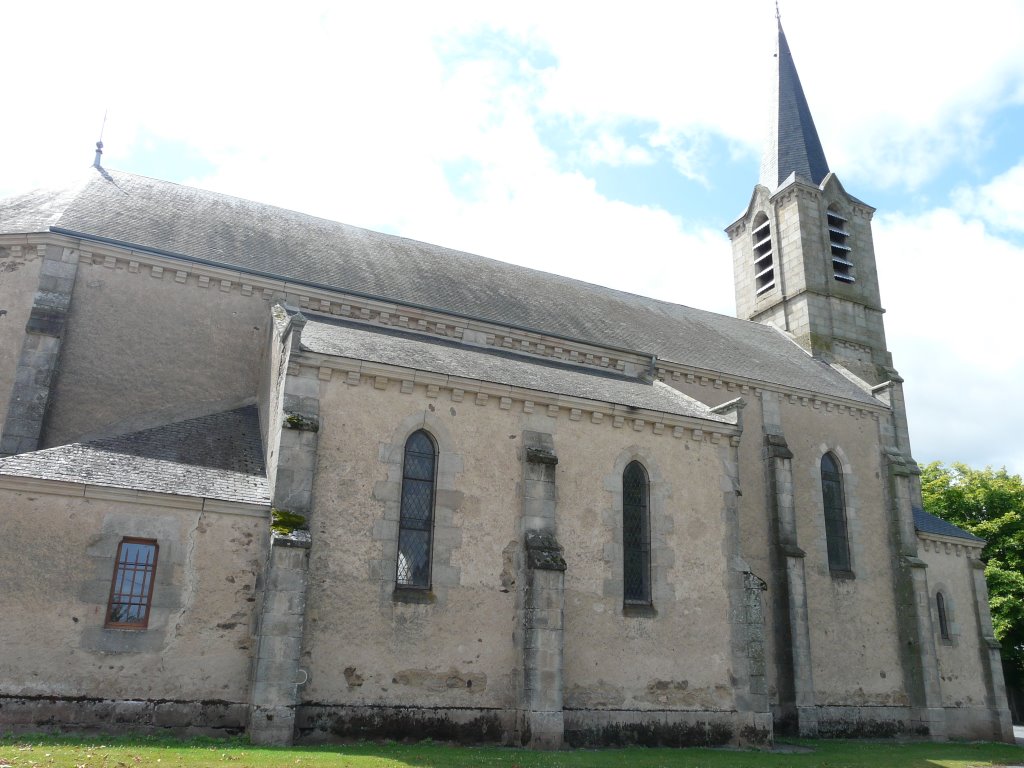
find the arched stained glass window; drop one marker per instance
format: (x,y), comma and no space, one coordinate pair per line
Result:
(636,535)
(416,522)
(836,537)
(940,606)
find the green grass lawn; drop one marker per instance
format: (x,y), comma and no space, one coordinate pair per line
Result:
(22,752)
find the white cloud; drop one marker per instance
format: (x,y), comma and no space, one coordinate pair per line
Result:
(1000,202)
(953,325)
(608,149)
(892,106)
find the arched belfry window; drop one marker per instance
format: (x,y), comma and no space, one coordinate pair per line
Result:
(636,535)
(839,244)
(834,500)
(416,521)
(764,261)
(940,608)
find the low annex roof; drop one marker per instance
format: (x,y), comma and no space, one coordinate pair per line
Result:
(185,222)
(219,456)
(406,350)
(925,522)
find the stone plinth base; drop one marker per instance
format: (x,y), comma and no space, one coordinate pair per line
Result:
(328,723)
(665,728)
(55,714)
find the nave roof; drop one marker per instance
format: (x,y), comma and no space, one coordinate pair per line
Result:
(197,225)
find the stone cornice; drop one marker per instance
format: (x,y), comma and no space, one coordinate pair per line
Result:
(354,372)
(671,372)
(950,545)
(149,498)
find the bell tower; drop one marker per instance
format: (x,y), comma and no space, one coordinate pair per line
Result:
(803,257)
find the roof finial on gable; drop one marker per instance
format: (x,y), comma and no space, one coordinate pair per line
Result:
(778,16)
(99,144)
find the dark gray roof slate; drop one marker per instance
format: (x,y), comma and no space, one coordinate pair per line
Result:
(793,145)
(35,211)
(499,367)
(195,224)
(219,456)
(926,522)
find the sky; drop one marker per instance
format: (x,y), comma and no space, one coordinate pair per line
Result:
(608,142)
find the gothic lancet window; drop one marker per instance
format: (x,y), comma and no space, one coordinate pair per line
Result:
(131,589)
(636,535)
(836,537)
(416,520)
(940,607)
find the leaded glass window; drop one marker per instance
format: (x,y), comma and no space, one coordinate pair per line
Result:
(836,537)
(416,523)
(636,535)
(131,590)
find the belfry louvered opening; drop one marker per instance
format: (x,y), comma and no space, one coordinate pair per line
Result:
(764,260)
(839,242)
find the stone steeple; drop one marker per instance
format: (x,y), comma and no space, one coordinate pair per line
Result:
(793,146)
(803,257)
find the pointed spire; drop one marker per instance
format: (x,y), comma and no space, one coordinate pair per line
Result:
(793,145)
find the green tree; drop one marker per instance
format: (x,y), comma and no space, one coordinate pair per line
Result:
(990,504)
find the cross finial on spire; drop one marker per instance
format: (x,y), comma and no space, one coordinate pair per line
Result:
(778,16)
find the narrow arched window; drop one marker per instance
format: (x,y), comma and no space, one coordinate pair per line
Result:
(940,607)
(836,537)
(636,535)
(416,521)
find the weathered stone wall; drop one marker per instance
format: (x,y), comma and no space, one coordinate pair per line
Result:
(59,666)
(376,657)
(147,345)
(853,620)
(949,571)
(851,623)
(970,673)
(19,277)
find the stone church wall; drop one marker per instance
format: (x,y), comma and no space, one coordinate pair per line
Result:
(961,656)
(19,277)
(381,664)
(857,670)
(852,621)
(60,669)
(168,344)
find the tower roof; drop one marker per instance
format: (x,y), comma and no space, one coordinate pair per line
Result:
(793,146)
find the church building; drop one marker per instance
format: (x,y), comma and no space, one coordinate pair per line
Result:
(270,474)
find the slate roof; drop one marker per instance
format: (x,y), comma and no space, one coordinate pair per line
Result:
(227,231)
(793,146)
(219,456)
(450,358)
(926,522)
